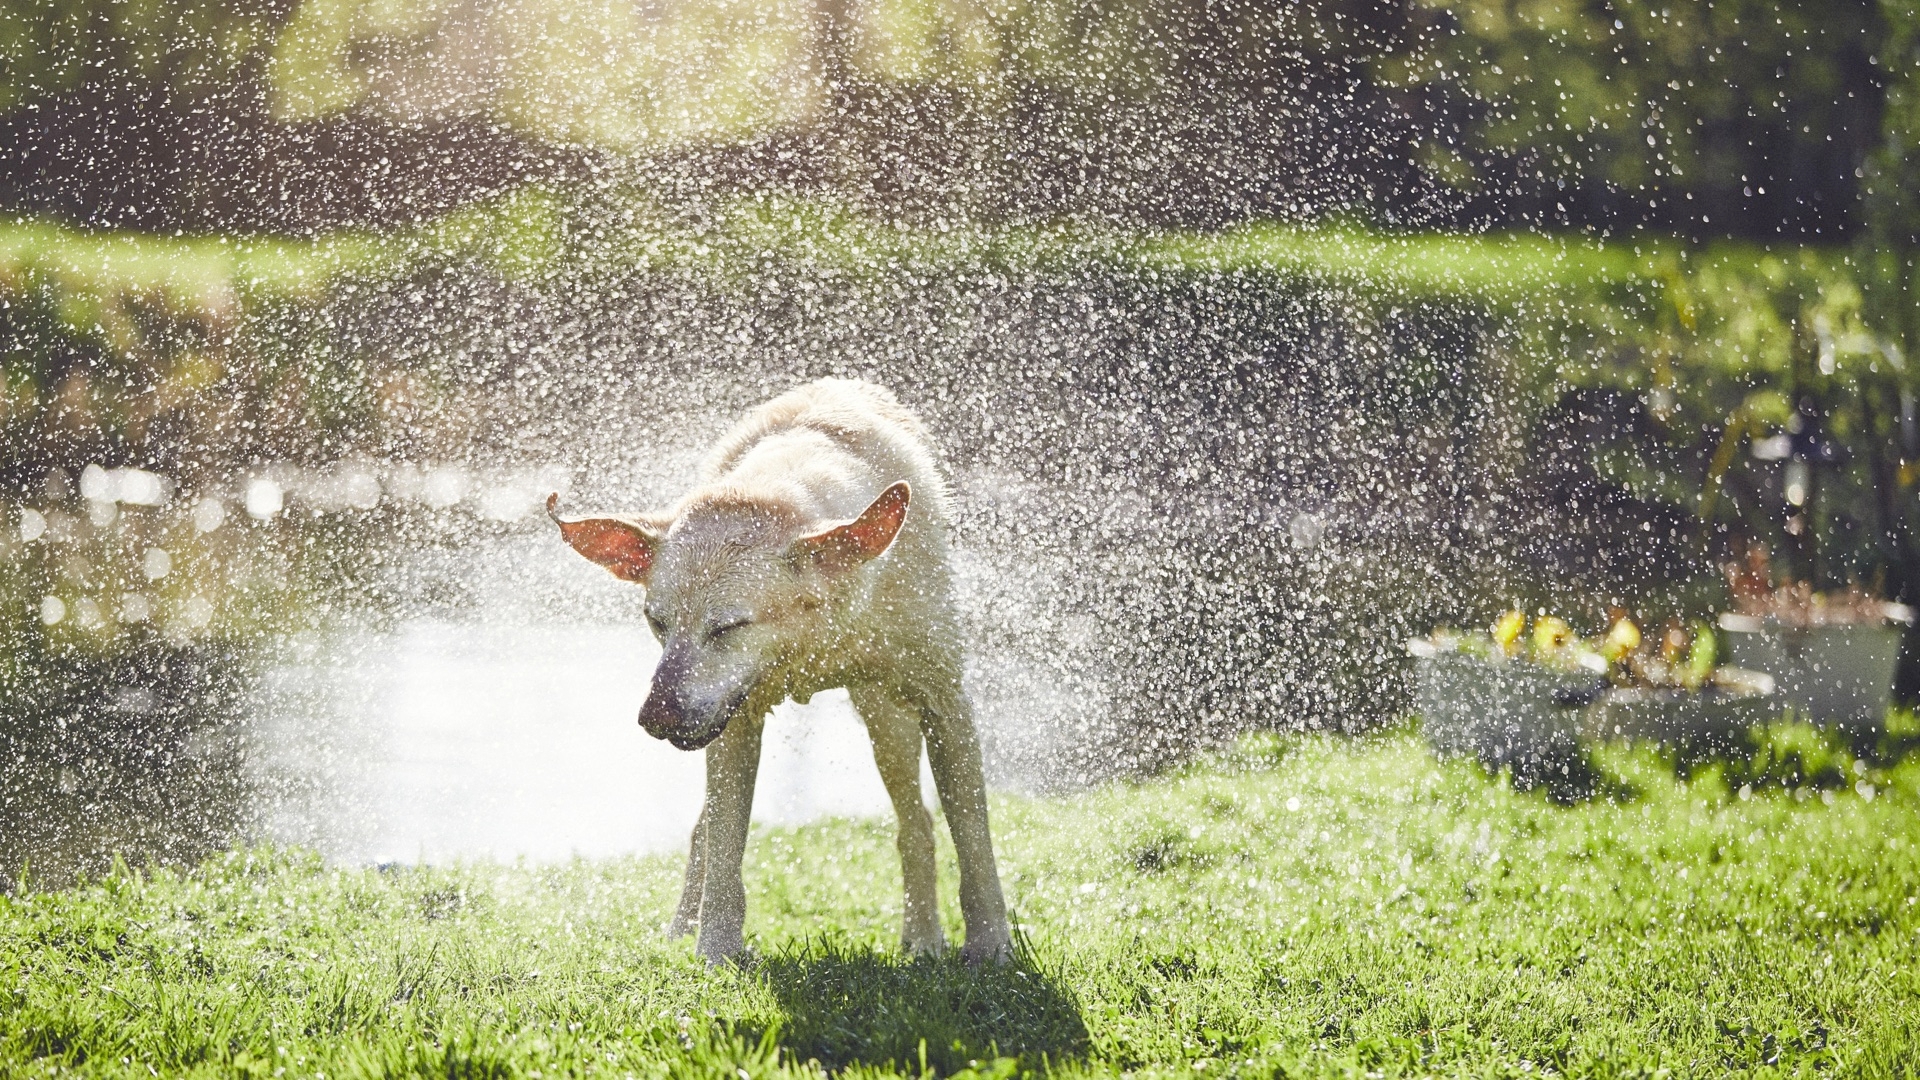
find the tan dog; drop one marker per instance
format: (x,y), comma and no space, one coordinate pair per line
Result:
(813,554)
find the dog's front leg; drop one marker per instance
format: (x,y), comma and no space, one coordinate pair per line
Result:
(953,750)
(688,913)
(896,750)
(732,763)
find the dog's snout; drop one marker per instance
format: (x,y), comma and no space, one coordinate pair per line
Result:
(664,713)
(672,713)
(664,718)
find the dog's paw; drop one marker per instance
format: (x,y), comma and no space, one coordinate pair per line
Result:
(743,960)
(929,946)
(715,960)
(995,949)
(720,948)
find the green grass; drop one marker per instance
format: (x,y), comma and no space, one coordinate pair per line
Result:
(212,275)
(1298,906)
(526,234)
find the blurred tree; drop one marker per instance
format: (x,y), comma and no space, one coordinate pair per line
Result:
(1711,117)
(1886,254)
(1892,183)
(1166,110)
(612,75)
(52,47)
(163,113)
(154,114)
(1703,116)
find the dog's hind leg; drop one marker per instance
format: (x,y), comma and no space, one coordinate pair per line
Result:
(733,761)
(953,749)
(688,913)
(896,750)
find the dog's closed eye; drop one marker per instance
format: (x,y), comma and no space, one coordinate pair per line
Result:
(659,625)
(729,626)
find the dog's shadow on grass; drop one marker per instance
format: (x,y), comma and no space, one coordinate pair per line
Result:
(848,1005)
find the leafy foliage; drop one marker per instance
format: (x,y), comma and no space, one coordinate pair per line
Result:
(49,47)
(1703,114)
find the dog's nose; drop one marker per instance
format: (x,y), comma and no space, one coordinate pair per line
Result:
(661,715)
(664,714)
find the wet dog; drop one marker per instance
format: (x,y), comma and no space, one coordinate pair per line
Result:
(812,554)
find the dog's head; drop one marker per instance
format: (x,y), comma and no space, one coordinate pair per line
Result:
(738,586)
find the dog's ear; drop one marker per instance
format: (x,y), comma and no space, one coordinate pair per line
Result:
(868,536)
(625,544)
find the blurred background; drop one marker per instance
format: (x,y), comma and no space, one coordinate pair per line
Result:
(1257,337)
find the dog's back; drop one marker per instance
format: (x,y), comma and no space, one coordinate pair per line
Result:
(833,417)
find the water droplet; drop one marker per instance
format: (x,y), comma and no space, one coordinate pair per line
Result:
(87,614)
(264,498)
(96,485)
(196,613)
(135,608)
(156,563)
(208,514)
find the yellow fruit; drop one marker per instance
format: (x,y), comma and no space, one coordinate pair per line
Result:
(1507,631)
(1550,633)
(1622,638)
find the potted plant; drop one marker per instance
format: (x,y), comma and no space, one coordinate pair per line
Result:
(1676,690)
(1832,655)
(1509,693)
(1495,696)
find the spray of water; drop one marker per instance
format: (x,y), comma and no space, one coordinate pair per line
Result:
(1222,431)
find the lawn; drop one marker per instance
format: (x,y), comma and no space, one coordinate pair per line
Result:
(1298,905)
